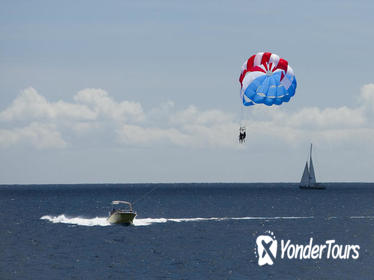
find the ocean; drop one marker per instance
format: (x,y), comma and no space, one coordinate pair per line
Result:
(184,231)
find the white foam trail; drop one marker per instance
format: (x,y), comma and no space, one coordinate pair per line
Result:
(102,221)
(272,218)
(149,221)
(362,217)
(97,221)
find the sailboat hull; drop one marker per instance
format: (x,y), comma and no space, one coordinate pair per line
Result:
(314,187)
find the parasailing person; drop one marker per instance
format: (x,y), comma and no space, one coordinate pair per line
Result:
(242,134)
(265,78)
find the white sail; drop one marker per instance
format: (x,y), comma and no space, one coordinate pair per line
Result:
(312,176)
(305,178)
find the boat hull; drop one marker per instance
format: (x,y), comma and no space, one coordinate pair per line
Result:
(125,218)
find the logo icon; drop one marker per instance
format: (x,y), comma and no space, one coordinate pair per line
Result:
(266,248)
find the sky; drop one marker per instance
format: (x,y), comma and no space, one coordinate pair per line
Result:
(148,91)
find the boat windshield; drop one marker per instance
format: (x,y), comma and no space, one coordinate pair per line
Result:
(119,202)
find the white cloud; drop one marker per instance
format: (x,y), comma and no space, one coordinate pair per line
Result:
(161,112)
(83,127)
(133,134)
(188,127)
(30,105)
(100,102)
(191,135)
(94,111)
(192,115)
(41,136)
(329,117)
(311,117)
(45,120)
(367,97)
(90,104)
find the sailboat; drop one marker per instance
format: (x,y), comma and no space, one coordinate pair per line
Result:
(308,180)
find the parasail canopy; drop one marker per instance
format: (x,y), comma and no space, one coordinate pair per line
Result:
(266,78)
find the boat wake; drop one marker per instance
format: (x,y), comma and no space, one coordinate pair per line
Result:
(102,221)
(149,221)
(62,219)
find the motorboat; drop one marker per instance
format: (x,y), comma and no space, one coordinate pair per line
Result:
(121,215)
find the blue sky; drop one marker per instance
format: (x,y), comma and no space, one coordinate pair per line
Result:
(147,91)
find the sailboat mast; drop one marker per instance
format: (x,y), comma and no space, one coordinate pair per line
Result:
(312,176)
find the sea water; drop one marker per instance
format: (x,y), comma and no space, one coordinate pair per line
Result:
(182,231)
